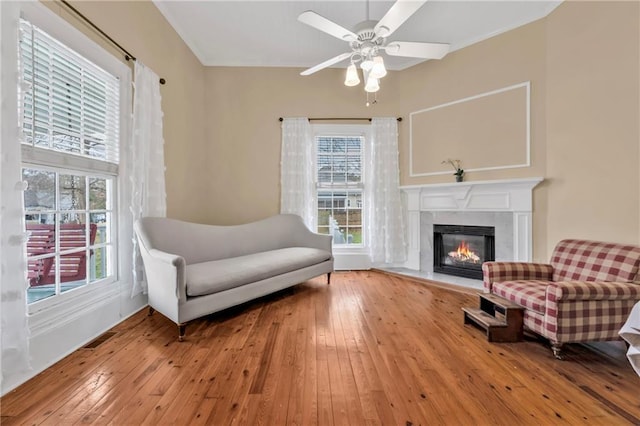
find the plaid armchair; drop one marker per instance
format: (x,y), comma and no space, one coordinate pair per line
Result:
(584,294)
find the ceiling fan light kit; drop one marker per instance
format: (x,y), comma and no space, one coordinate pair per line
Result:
(352,78)
(367,44)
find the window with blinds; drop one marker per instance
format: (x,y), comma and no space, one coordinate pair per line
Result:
(339,186)
(69,104)
(70,118)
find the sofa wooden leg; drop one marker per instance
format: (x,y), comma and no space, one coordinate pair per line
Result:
(328,278)
(557,350)
(182,328)
(151,311)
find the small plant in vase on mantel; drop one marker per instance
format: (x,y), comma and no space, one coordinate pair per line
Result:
(459,174)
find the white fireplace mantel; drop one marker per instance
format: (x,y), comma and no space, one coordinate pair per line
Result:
(509,195)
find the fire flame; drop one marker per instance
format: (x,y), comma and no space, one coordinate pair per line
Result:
(464,254)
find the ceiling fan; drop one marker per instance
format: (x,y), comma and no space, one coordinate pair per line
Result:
(369,40)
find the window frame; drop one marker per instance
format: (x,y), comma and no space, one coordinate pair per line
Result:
(346,130)
(65,306)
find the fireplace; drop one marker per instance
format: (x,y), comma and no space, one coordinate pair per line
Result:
(460,250)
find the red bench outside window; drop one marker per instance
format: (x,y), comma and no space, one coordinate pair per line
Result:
(42,240)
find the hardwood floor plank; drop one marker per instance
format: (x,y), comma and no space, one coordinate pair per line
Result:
(371,348)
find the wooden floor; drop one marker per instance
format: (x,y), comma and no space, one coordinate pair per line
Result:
(371,348)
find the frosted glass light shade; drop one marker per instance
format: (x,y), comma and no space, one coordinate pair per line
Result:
(378,70)
(366,65)
(372,84)
(352,78)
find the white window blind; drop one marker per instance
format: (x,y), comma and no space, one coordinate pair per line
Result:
(69,104)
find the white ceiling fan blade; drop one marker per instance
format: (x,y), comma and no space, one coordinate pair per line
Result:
(399,12)
(417,50)
(323,24)
(326,64)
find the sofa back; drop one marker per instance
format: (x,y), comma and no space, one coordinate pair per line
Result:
(200,243)
(582,260)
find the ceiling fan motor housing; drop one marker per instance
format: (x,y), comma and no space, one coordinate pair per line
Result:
(367,41)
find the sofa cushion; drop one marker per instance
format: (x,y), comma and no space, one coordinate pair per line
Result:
(219,275)
(529,294)
(581,260)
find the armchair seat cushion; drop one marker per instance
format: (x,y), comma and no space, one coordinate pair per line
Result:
(219,275)
(529,294)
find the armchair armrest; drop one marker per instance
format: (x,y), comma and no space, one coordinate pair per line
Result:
(514,271)
(564,291)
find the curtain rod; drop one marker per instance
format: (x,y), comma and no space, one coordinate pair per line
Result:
(340,119)
(127,56)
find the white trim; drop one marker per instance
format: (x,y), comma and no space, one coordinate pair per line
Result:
(527,163)
(80,301)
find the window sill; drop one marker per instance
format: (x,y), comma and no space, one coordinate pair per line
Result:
(65,308)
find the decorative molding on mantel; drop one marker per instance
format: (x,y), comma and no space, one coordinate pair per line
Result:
(508,195)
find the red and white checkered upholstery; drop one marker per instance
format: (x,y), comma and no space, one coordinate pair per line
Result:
(585,294)
(580,260)
(493,272)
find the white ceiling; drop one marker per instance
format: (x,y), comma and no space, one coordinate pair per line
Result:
(267,33)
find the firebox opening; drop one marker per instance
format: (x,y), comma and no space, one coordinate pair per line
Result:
(460,250)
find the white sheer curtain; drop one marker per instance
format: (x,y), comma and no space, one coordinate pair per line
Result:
(14,329)
(297,170)
(385,214)
(145,163)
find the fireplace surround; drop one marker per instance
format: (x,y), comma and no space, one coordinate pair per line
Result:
(506,205)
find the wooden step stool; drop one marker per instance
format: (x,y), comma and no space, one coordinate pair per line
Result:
(499,317)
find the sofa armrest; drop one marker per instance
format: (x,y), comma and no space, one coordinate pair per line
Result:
(166,272)
(307,238)
(493,272)
(563,291)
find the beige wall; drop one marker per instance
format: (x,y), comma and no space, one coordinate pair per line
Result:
(592,121)
(141,29)
(243,107)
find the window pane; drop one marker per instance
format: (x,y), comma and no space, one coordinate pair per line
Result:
(97,193)
(72,192)
(41,190)
(73,270)
(98,264)
(354,217)
(339,144)
(353,145)
(41,275)
(101,223)
(354,173)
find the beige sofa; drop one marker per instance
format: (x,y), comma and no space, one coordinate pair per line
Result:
(194,270)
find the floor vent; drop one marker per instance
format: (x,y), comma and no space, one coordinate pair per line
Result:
(100,340)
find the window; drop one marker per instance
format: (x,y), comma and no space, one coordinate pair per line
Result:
(70,112)
(339,186)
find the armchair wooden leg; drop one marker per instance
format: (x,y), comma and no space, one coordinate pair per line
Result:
(328,278)
(182,328)
(557,350)
(151,311)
